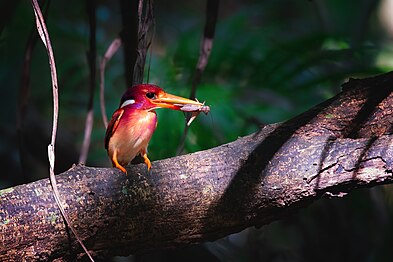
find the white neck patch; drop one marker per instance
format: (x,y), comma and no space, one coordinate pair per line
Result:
(127,102)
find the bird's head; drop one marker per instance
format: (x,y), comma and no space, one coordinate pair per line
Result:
(149,97)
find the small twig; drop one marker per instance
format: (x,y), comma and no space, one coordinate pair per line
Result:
(150,46)
(112,49)
(44,35)
(140,9)
(91,57)
(207,42)
(204,53)
(145,22)
(87,136)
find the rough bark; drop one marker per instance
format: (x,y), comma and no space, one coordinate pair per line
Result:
(341,144)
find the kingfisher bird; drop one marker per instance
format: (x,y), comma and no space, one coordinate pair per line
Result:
(134,122)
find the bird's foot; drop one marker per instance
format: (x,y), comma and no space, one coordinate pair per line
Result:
(147,161)
(121,168)
(116,163)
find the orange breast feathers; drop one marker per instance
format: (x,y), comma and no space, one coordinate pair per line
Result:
(134,129)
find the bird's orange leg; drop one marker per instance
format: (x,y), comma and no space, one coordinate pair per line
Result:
(147,160)
(116,164)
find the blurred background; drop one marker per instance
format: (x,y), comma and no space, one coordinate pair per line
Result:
(271,60)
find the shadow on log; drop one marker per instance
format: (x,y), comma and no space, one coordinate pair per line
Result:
(341,144)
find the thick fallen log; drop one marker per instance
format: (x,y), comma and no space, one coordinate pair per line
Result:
(341,144)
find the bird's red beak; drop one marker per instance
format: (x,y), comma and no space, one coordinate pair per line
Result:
(165,100)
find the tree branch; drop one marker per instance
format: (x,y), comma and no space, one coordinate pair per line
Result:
(92,61)
(145,24)
(204,54)
(344,143)
(129,37)
(112,49)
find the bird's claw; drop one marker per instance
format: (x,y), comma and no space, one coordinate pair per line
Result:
(147,161)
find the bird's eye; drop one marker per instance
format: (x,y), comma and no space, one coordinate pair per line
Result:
(151,95)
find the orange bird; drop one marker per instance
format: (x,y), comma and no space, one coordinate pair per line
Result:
(133,124)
